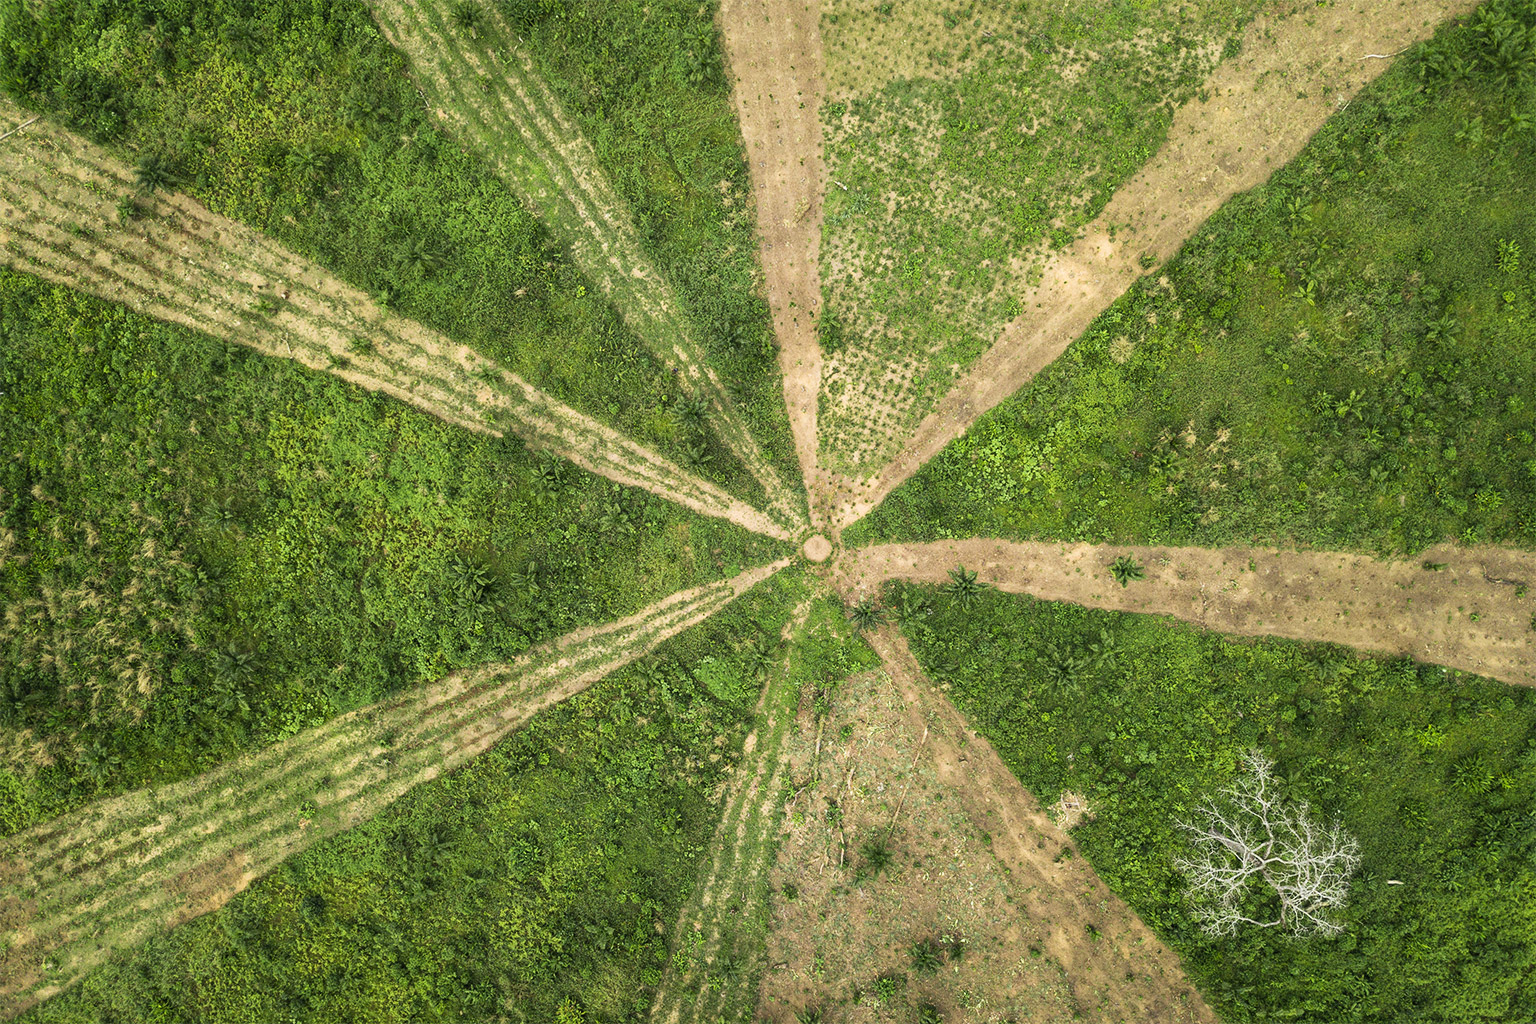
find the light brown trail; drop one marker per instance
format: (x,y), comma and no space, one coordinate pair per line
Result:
(1472,613)
(1293,74)
(1126,974)
(108,876)
(774,51)
(182,263)
(485,87)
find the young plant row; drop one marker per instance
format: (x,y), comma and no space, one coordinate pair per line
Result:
(77,217)
(479,81)
(109,876)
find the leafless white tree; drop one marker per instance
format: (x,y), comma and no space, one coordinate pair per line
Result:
(1251,839)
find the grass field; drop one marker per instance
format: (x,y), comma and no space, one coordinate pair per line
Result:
(256,547)
(410,607)
(1341,358)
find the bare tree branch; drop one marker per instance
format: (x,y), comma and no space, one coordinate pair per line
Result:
(1251,845)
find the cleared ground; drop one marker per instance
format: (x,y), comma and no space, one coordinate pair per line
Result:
(774,49)
(1466,608)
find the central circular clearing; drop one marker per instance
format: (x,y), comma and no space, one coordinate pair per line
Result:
(817,549)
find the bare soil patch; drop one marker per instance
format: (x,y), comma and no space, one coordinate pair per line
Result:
(111,874)
(976,867)
(774,51)
(1292,75)
(182,263)
(1465,608)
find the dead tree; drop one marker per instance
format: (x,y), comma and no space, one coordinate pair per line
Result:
(1251,846)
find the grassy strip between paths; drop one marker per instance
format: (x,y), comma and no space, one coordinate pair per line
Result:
(1344,357)
(483,85)
(202,551)
(111,875)
(645,80)
(535,882)
(1434,771)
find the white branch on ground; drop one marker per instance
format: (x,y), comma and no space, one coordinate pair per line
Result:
(1251,840)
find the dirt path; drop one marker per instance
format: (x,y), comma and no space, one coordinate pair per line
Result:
(1126,973)
(108,876)
(724,920)
(774,50)
(488,91)
(1474,613)
(1293,74)
(182,263)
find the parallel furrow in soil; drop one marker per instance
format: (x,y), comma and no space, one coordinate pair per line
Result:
(1294,73)
(482,85)
(150,851)
(717,923)
(183,264)
(1464,608)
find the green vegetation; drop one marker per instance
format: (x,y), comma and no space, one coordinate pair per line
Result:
(296,117)
(645,81)
(540,880)
(203,550)
(514,119)
(1434,772)
(966,140)
(1343,357)
(721,937)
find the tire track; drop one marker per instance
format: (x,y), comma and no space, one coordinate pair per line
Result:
(181,263)
(113,874)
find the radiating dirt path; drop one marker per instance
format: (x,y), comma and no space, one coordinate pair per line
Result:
(1474,613)
(723,920)
(482,85)
(108,876)
(1125,973)
(182,263)
(1293,74)
(774,50)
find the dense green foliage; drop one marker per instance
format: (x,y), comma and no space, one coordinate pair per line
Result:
(202,549)
(1343,357)
(1434,771)
(539,883)
(297,118)
(645,81)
